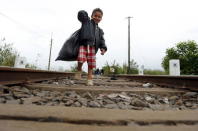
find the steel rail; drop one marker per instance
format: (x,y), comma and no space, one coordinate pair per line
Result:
(20,75)
(189,82)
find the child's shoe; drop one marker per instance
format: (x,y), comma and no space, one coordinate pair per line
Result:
(89,83)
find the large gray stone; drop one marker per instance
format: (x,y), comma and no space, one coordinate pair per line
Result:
(83,101)
(76,104)
(149,99)
(173,98)
(123,105)
(164,100)
(112,96)
(139,103)
(69,103)
(125,97)
(41,94)
(108,101)
(93,104)
(72,94)
(87,95)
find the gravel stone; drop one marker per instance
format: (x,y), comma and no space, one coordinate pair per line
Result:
(76,104)
(173,98)
(83,101)
(139,103)
(69,103)
(93,104)
(108,101)
(123,105)
(190,94)
(87,95)
(147,85)
(149,99)
(164,100)
(123,100)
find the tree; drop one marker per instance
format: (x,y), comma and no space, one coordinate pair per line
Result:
(7,54)
(187,53)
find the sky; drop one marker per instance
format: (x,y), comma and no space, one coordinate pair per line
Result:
(156,25)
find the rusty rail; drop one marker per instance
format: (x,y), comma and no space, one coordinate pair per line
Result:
(190,82)
(17,75)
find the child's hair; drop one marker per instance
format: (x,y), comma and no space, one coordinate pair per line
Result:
(97,10)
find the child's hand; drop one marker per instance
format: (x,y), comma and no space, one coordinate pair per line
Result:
(102,51)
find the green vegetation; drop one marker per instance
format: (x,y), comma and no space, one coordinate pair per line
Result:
(31,66)
(187,53)
(120,69)
(7,54)
(154,72)
(74,68)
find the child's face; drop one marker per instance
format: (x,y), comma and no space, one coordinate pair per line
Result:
(97,17)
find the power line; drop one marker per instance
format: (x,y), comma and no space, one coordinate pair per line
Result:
(21,25)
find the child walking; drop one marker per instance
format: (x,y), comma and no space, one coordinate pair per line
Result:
(90,39)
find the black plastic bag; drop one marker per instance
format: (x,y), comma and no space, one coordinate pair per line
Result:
(69,50)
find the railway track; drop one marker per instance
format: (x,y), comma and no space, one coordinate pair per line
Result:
(190,82)
(57,102)
(10,76)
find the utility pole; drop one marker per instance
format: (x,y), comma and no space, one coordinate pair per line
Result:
(129,17)
(51,41)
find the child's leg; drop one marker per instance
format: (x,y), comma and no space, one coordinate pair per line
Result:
(89,77)
(91,60)
(90,71)
(81,59)
(79,68)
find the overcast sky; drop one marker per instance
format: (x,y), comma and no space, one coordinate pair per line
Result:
(156,25)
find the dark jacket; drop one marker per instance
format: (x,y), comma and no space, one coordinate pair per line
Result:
(90,33)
